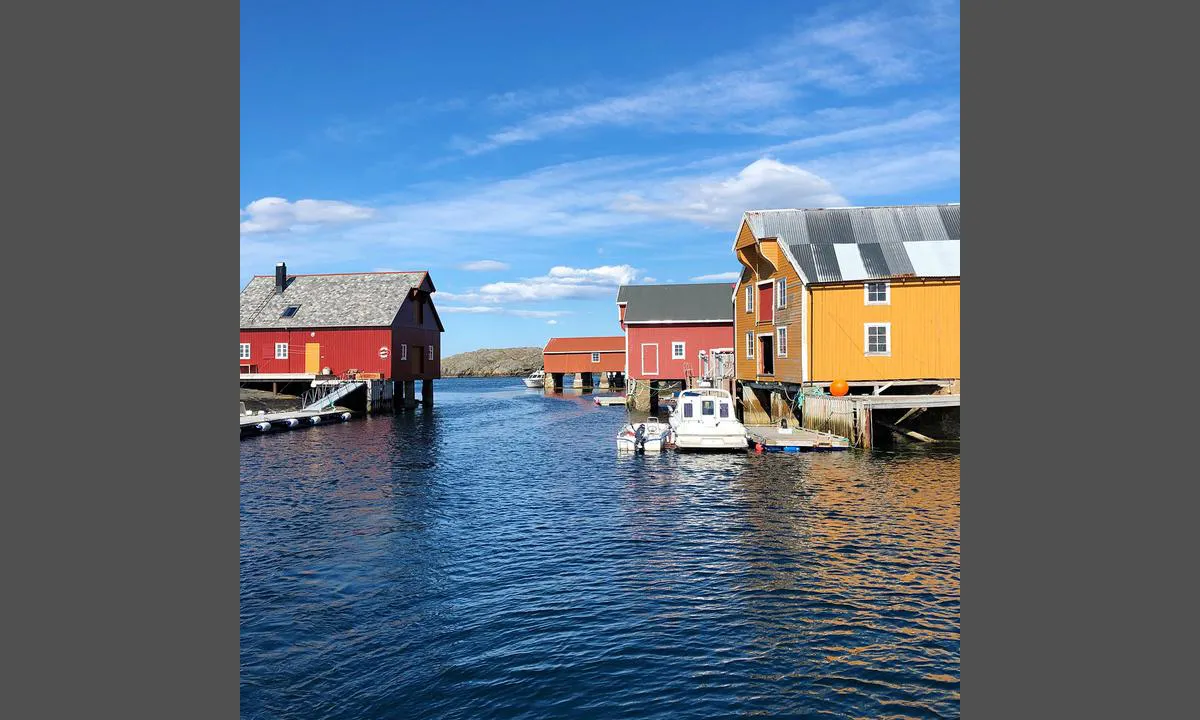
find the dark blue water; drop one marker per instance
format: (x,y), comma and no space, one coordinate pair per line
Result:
(494,558)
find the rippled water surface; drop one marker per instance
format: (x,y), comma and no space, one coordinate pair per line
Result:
(494,557)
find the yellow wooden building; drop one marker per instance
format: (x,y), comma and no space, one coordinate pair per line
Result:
(868,295)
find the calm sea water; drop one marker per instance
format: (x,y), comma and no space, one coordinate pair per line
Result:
(495,558)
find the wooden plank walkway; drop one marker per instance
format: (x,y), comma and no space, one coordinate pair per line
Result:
(774,438)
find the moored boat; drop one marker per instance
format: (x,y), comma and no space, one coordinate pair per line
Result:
(649,436)
(536,379)
(703,419)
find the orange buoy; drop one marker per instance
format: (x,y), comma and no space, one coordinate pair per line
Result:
(839,388)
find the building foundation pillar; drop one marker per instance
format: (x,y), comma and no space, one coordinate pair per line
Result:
(427,392)
(410,394)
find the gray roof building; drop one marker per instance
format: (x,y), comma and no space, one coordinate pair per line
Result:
(684,303)
(865,243)
(330,300)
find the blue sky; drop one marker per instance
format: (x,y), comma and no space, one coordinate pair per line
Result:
(532,156)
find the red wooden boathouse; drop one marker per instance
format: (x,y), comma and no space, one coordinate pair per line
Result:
(583,356)
(676,334)
(377,325)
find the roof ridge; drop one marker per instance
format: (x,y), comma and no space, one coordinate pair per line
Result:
(858,207)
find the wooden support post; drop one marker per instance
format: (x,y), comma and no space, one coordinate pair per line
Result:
(603,381)
(913,412)
(427,393)
(578,382)
(410,394)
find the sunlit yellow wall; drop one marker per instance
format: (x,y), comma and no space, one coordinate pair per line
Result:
(924,336)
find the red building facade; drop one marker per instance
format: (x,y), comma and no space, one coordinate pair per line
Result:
(584,355)
(672,331)
(381,324)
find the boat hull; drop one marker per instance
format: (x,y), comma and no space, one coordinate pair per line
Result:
(710,442)
(530,383)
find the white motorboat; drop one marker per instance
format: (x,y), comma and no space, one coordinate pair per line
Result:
(536,379)
(703,419)
(649,436)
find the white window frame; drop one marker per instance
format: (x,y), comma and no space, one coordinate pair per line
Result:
(781,293)
(682,350)
(781,345)
(429,352)
(887,293)
(595,357)
(403,351)
(750,298)
(887,326)
(244,351)
(281,351)
(750,345)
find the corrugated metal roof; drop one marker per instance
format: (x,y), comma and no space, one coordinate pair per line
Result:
(343,300)
(881,234)
(677,303)
(615,343)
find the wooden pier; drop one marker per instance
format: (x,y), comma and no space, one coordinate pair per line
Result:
(853,416)
(776,439)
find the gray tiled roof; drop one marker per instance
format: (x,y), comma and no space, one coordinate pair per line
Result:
(677,303)
(838,244)
(350,300)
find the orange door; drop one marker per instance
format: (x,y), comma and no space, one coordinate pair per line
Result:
(312,358)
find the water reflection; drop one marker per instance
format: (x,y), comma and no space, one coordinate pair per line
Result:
(493,556)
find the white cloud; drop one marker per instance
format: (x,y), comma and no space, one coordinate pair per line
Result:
(562,283)
(649,279)
(276,214)
(718,277)
(764,183)
(483,265)
(551,322)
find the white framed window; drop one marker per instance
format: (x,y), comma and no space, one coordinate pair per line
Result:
(781,293)
(749,344)
(877,293)
(403,351)
(595,357)
(781,341)
(429,352)
(678,350)
(281,351)
(877,338)
(245,351)
(749,298)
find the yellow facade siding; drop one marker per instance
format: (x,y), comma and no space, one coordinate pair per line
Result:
(924,338)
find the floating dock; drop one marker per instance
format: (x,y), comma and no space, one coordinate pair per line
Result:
(775,439)
(607,400)
(258,424)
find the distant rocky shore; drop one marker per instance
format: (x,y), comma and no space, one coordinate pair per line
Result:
(497,362)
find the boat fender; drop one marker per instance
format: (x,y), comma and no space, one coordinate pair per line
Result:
(345,416)
(315,419)
(291,422)
(263,426)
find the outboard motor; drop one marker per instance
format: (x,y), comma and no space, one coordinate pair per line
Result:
(639,438)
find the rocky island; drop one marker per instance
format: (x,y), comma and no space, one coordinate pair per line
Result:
(493,362)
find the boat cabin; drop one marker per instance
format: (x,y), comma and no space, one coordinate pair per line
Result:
(703,403)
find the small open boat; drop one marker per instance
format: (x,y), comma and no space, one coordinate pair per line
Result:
(536,379)
(649,436)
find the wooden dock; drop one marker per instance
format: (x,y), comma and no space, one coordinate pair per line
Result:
(776,439)
(853,415)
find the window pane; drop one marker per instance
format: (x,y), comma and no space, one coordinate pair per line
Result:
(706,407)
(687,409)
(724,410)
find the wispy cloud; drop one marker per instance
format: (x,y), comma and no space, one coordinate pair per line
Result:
(275,214)
(718,277)
(483,266)
(495,310)
(551,322)
(829,52)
